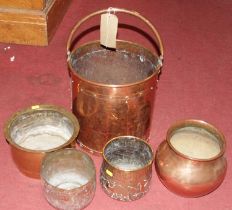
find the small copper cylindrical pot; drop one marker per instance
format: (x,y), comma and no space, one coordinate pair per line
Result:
(69,179)
(191,161)
(126,170)
(38,130)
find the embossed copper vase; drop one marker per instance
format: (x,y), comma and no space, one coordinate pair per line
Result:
(69,179)
(36,131)
(113,91)
(185,168)
(126,170)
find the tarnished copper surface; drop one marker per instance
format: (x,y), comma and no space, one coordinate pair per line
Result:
(69,179)
(186,176)
(109,109)
(126,170)
(27,160)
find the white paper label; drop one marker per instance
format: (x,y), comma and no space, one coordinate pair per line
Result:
(108,30)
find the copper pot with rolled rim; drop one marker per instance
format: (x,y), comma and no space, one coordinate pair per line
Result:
(113,101)
(187,169)
(126,170)
(69,179)
(36,131)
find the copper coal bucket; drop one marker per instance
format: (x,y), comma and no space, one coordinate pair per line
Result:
(113,91)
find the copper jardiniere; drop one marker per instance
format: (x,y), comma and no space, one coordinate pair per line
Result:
(69,179)
(113,91)
(126,170)
(37,130)
(188,175)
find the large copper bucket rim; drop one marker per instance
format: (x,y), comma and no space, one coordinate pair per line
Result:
(155,72)
(117,10)
(199,124)
(41,107)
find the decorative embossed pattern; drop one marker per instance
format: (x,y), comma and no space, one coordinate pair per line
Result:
(126,170)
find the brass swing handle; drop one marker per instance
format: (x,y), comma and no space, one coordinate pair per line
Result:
(115,10)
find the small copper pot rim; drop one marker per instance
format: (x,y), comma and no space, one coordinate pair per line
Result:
(74,189)
(132,170)
(42,107)
(198,124)
(155,73)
